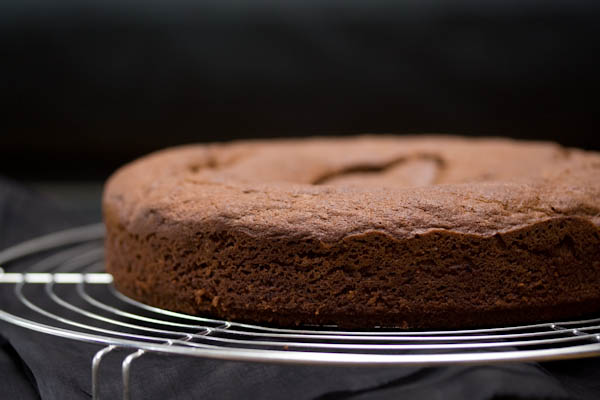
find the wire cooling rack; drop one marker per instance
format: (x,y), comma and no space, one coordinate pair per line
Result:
(64,293)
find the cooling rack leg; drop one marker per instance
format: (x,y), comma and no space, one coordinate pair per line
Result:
(95,367)
(125,371)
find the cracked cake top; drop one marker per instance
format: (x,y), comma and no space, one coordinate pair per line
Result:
(330,188)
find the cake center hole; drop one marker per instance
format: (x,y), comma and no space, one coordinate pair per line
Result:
(418,170)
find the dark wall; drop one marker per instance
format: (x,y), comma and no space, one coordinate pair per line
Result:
(87,86)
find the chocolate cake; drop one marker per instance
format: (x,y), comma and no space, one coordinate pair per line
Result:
(422,232)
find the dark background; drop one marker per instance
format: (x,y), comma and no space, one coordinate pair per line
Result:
(89,85)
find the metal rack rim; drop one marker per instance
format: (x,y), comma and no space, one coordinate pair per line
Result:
(287,347)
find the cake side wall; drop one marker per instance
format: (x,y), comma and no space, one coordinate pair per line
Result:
(545,271)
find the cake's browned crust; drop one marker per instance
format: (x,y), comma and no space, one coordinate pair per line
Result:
(417,232)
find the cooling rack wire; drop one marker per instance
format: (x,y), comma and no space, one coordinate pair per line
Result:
(65,293)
